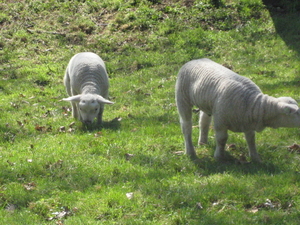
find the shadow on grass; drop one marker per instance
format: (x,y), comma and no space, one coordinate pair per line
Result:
(205,164)
(281,85)
(286,18)
(114,124)
(208,166)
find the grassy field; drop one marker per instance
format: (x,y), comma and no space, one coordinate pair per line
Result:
(132,170)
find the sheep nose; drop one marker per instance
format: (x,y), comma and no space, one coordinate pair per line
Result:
(87,122)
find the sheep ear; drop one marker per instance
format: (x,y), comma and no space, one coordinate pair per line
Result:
(289,109)
(287,100)
(100,99)
(75,98)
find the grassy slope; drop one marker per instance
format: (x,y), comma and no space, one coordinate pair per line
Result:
(87,173)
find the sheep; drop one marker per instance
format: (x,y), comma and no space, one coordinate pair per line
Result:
(235,103)
(86,82)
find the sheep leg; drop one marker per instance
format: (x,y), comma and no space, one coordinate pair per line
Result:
(204,123)
(186,127)
(185,113)
(250,138)
(71,92)
(99,117)
(221,139)
(67,84)
(75,110)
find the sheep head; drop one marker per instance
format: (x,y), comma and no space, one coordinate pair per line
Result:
(89,106)
(288,113)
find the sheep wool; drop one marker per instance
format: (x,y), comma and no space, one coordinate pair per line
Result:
(87,84)
(233,101)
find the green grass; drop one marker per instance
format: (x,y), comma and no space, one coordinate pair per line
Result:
(50,165)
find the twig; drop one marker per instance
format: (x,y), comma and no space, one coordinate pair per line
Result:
(45,32)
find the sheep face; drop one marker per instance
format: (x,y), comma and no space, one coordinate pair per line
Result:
(89,106)
(289,114)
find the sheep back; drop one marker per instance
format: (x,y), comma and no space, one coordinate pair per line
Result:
(234,100)
(86,74)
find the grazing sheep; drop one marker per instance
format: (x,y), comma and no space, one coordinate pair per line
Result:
(87,84)
(235,102)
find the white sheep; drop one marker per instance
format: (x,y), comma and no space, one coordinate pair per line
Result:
(87,85)
(234,102)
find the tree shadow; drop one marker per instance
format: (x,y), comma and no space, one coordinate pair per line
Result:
(292,84)
(286,18)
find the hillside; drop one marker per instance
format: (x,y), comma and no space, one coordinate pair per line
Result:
(133,170)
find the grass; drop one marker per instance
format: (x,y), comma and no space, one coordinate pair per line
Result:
(130,171)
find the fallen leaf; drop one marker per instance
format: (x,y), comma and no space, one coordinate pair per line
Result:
(242,159)
(134,130)
(14,105)
(46,114)
(231,147)
(128,156)
(20,123)
(178,153)
(215,203)
(29,186)
(10,163)
(196,110)
(253,210)
(130,215)
(59,222)
(40,128)
(11,207)
(269,204)
(130,116)
(199,206)
(98,134)
(66,110)
(55,165)
(60,215)
(62,129)
(290,204)
(294,148)
(70,130)
(129,195)
(71,124)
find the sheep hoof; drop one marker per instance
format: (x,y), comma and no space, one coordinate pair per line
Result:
(198,162)
(224,158)
(193,157)
(220,159)
(256,160)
